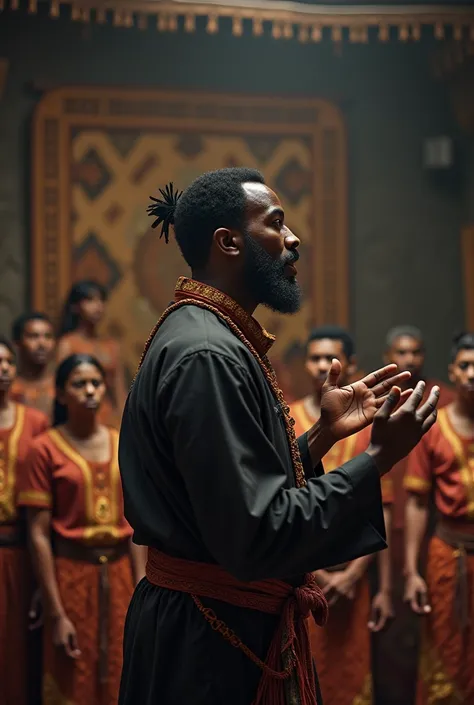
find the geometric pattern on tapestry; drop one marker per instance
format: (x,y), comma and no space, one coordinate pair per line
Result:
(113,177)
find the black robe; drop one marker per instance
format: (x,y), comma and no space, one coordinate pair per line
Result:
(207,476)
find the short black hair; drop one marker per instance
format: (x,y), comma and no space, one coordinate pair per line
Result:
(332,332)
(6,342)
(461,341)
(214,200)
(19,324)
(404,331)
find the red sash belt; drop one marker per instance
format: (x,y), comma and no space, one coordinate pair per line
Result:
(289,655)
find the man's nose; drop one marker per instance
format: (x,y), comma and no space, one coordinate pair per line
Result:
(291,241)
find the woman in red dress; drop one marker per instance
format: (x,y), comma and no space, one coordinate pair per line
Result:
(81,543)
(83,312)
(18,426)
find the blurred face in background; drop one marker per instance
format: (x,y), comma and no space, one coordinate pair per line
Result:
(319,356)
(461,374)
(91,310)
(37,342)
(409,354)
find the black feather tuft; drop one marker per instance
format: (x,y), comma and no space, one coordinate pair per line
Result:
(163,209)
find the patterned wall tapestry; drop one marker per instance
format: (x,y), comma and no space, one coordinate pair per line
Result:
(98,155)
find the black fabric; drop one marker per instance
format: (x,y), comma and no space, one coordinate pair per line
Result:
(207,476)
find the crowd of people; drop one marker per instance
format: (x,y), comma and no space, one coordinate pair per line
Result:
(68,565)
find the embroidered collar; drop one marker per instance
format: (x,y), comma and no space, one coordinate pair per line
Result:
(192,289)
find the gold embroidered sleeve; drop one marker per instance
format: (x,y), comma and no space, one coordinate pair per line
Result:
(35,498)
(416,484)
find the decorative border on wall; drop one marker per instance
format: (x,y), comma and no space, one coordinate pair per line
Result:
(286,19)
(65,109)
(467,252)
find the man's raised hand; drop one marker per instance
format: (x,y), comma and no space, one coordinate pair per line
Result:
(396,431)
(348,409)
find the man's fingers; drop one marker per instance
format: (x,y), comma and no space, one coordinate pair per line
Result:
(334,373)
(389,404)
(414,401)
(377,376)
(430,404)
(427,423)
(378,624)
(403,397)
(393,381)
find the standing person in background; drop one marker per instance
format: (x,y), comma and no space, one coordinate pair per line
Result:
(80,541)
(405,347)
(33,335)
(342,648)
(443,463)
(83,312)
(18,426)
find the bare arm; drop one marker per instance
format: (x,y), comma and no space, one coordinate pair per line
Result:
(382,606)
(416,522)
(39,522)
(138,557)
(384,557)
(64,633)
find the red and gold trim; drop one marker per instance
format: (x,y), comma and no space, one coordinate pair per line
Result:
(251,328)
(463,461)
(8,460)
(101,500)
(412,483)
(35,498)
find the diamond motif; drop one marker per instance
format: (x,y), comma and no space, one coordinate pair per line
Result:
(92,260)
(190,145)
(262,146)
(92,174)
(293,181)
(123,140)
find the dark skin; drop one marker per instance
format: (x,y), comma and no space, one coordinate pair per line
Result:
(344,409)
(461,416)
(408,354)
(36,350)
(7,375)
(82,395)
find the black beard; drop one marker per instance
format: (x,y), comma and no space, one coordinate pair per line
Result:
(266,281)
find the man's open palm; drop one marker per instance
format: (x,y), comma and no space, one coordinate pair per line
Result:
(347,410)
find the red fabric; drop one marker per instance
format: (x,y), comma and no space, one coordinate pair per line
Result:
(85,498)
(270,596)
(15,584)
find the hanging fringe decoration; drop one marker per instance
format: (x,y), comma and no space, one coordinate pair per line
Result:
(306,21)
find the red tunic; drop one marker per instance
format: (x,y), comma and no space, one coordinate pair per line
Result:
(86,503)
(39,395)
(15,576)
(443,462)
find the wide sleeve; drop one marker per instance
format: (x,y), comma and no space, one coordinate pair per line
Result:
(35,487)
(251,522)
(418,475)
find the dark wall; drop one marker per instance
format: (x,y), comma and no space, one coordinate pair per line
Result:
(404,227)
